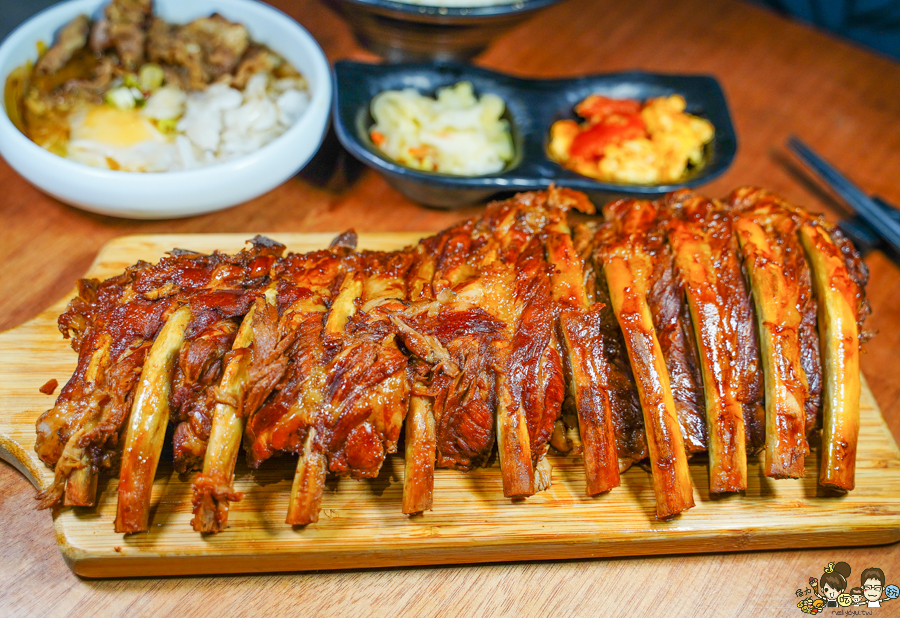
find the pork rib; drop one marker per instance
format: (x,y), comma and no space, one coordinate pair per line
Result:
(197,372)
(750,199)
(147,423)
(474,336)
(213,488)
(838,297)
(706,253)
(627,247)
(113,323)
(624,402)
(780,284)
(580,337)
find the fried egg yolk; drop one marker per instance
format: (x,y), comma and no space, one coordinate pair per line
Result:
(119,139)
(115,127)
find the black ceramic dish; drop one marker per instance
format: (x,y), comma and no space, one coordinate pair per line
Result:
(400,31)
(532,106)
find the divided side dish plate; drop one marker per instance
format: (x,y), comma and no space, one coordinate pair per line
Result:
(532,106)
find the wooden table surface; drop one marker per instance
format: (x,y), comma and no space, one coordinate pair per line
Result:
(780,78)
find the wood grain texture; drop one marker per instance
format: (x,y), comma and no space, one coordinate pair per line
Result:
(361,524)
(780,78)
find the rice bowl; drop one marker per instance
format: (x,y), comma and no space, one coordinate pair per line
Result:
(191,191)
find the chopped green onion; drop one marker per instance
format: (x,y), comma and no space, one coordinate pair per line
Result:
(167,126)
(150,77)
(121,97)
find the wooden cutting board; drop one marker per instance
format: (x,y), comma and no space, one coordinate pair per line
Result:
(361,524)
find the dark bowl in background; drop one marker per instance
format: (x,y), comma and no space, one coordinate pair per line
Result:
(402,32)
(532,106)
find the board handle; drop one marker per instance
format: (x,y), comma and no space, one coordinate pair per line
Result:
(25,353)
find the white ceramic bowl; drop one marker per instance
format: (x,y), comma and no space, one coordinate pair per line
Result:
(174,194)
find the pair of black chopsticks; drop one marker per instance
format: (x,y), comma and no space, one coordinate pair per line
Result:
(876,224)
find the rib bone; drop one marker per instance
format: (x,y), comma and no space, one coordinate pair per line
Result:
(837,294)
(627,264)
(213,488)
(147,425)
(768,241)
(706,255)
(581,338)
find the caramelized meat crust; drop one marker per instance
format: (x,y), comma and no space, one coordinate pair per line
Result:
(742,370)
(749,199)
(672,320)
(628,421)
(454,359)
(193,396)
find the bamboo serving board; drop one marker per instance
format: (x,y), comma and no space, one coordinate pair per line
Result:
(361,524)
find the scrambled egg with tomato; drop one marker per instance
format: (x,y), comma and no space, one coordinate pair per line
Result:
(625,141)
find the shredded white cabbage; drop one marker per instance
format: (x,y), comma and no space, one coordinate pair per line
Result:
(454,133)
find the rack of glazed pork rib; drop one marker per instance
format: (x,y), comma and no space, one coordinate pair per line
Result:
(673,327)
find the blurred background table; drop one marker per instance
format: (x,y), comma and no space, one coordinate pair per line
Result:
(780,78)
